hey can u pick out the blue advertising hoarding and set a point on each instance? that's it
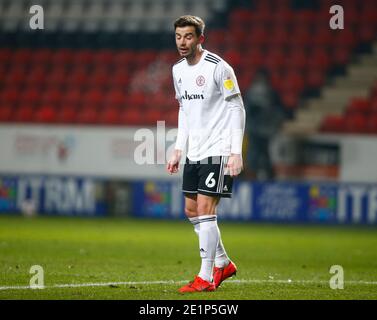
(266, 202)
(52, 195)
(269, 202)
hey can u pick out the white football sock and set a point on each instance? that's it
(196, 224)
(221, 259)
(208, 240)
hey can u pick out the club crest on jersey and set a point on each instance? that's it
(200, 81)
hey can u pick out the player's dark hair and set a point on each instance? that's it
(193, 21)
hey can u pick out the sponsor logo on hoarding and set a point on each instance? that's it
(44, 146)
(67, 196)
(280, 202)
(357, 203)
(322, 202)
(8, 194)
(157, 198)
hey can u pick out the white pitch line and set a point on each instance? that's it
(125, 283)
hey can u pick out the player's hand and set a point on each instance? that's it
(173, 163)
(234, 165)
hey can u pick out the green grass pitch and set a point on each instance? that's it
(136, 259)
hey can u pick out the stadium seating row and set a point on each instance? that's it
(62, 85)
(359, 117)
(87, 114)
(109, 15)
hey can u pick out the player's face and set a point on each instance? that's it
(187, 41)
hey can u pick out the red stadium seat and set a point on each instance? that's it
(341, 56)
(373, 106)
(245, 78)
(166, 56)
(67, 114)
(359, 106)
(72, 97)
(103, 58)
(30, 96)
(296, 60)
(9, 95)
(123, 58)
(93, 97)
(87, 115)
(21, 56)
(301, 36)
(63, 57)
(293, 82)
(356, 123)
(274, 60)
(252, 59)
(290, 99)
(100, 78)
(6, 112)
(132, 117)
(315, 78)
(277, 80)
(160, 100)
(369, 16)
(319, 59)
(136, 100)
(306, 17)
(41, 56)
(83, 57)
(233, 57)
(171, 118)
(15, 76)
(280, 37)
(262, 16)
(115, 98)
(52, 96)
(79, 77)
(24, 113)
(373, 92)
(37, 77)
(110, 116)
(258, 36)
(119, 79)
(58, 76)
(5, 55)
(333, 123)
(46, 114)
(345, 39)
(215, 40)
(242, 17)
(236, 40)
(282, 18)
(152, 115)
(372, 124)
(322, 37)
(148, 56)
(367, 34)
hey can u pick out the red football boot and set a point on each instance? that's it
(198, 285)
(220, 274)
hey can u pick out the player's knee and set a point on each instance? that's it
(191, 212)
(206, 208)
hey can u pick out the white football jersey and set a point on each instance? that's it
(203, 91)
